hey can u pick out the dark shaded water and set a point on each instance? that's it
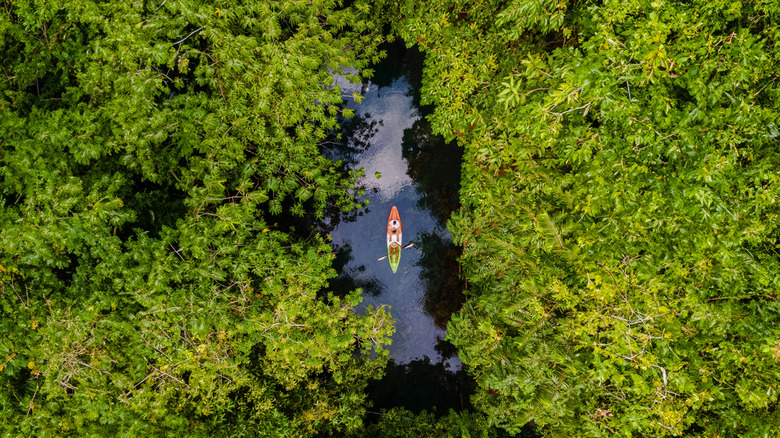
(407, 167)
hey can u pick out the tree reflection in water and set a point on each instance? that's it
(351, 278)
(355, 139)
(443, 287)
(419, 385)
(400, 62)
(434, 165)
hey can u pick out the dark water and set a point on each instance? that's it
(407, 167)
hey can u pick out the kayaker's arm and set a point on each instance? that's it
(407, 246)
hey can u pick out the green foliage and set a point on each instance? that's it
(620, 207)
(145, 290)
(401, 423)
(619, 223)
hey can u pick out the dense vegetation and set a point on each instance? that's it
(620, 217)
(620, 202)
(146, 290)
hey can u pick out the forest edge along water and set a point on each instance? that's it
(415, 176)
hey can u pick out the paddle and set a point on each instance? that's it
(407, 246)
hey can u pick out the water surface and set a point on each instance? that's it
(407, 167)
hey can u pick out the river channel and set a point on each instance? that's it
(417, 172)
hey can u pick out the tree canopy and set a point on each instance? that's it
(146, 149)
(619, 217)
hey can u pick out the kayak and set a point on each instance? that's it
(394, 239)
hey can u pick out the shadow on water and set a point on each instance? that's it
(443, 291)
(351, 278)
(434, 165)
(421, 385)
(400, 63)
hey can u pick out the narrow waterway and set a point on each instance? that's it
(409, 168)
